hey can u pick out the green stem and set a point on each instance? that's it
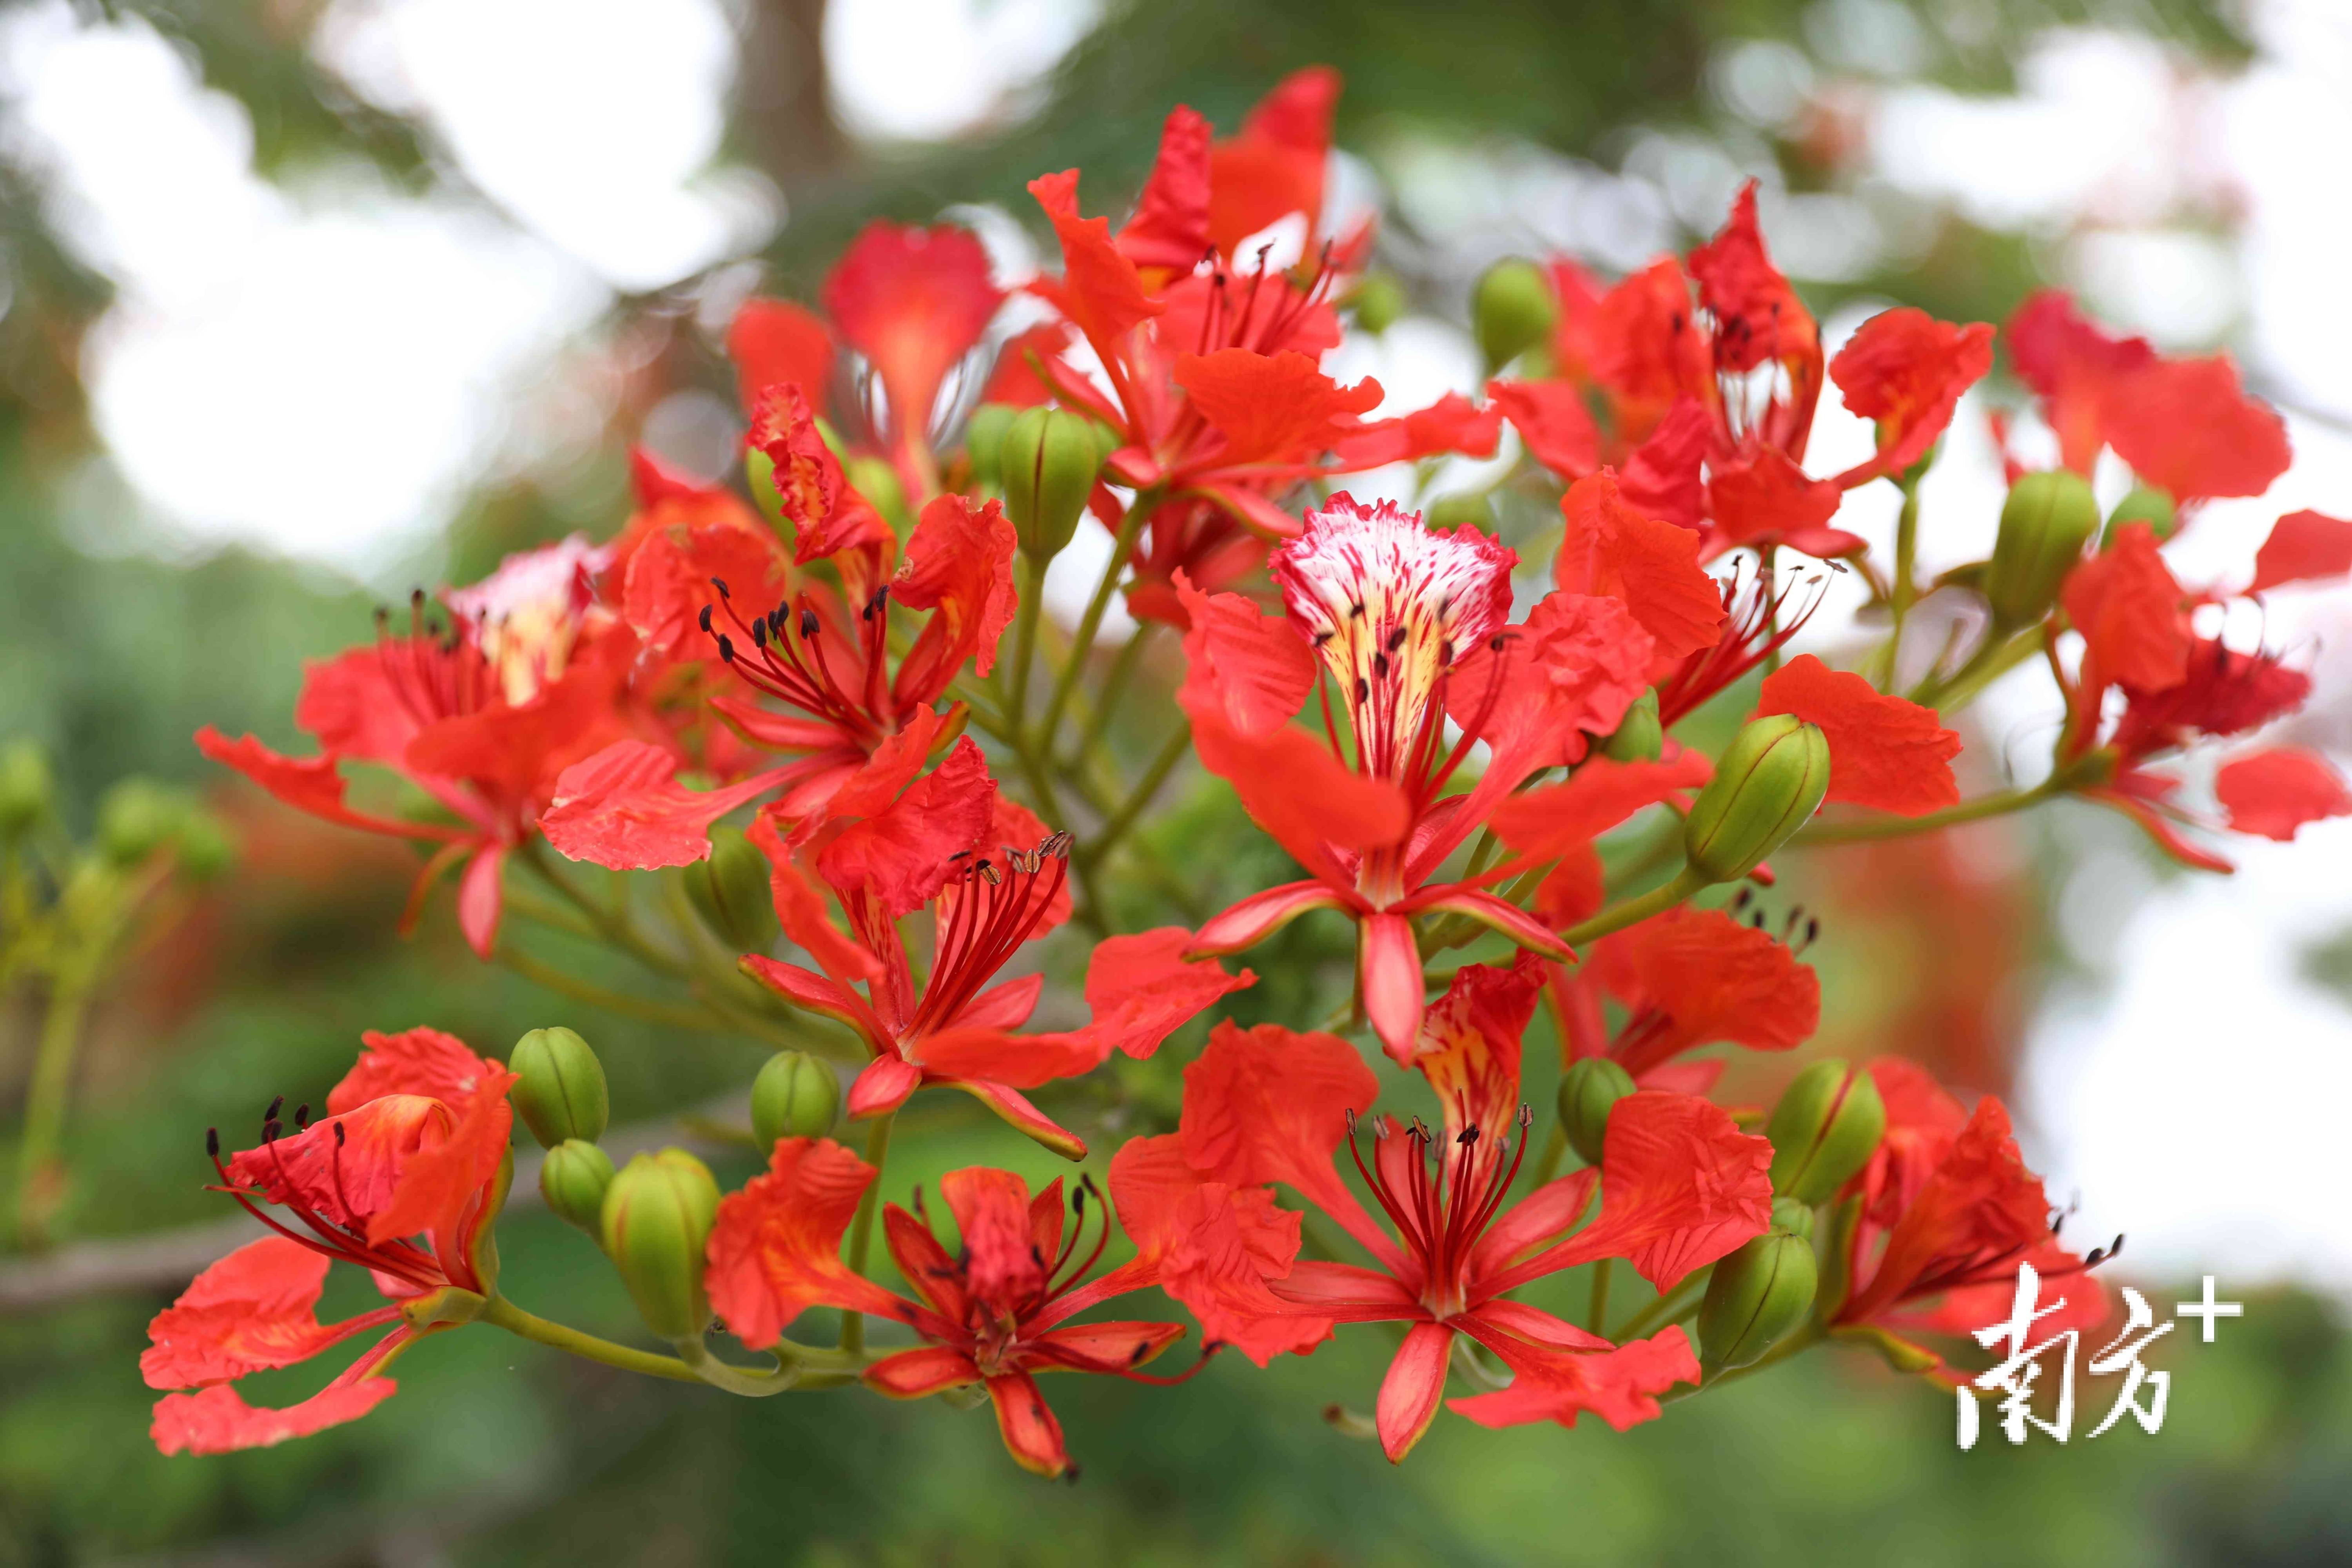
(1599, 1315)
(1878, 828)
(1664, 1310)
(1082, 642)
(861, 1237)
(612, 924)
(45, 1103)
(1130, 658)
(644, 1008)
(1906, 553)
(1996, 659)
(1025, 639)
(797, 1367)
(556, 1336)
(1665, 896)
(1107, 837)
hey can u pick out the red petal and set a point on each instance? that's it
(1276, 166)
(827, 516)
(1885, 751)
(1022, 1116)
(414, 1061)
(775, 341)
(1254, 919)
(1414, 1386)
(775, 1249)
(1255, 670)
(1905, 370)
(1758, 317)
(1613, 551)
(926, 1370)
(1031, 1434)
(1620, 1385)
(1389, 979)
(2303, 545)
(914, 301)
(800, 910)
(307, 783)
(439, 1188)
(667, 583)
(1170, 231)
(1002, 1264)
(1142, 988)
(1271, 409)
(2187, 425)
(1553, 423)
(2274, 793)
(1661, 479)
(255, 1308)
(1768, 497)
(1570, 671)
(481, 899)
(623, 809)
(1098, 288)
(1452, 424)
(2127, 606)
(1555, 819)
(2074, 367)
(1648, 348)
(884, 1085)
(1698, 976)
(1980, 1202)
(1305, 798)
(216, 1421)
(959, 563)
(1468, 1049)
(903, 854)
(1015, 1060)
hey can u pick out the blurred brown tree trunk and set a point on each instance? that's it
(786, 112)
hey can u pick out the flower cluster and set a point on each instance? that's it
(808, 751)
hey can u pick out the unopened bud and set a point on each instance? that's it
(1376, 301)
(573, 1180)
(204, 849)
(1755, 1296)
(558, 1090)
(795, 1095)
(656, 1220)
(1512, 311)
(1588, 1091)
(1050, 459)
(1767, 784)
(2150, 504)
(878, 482)
(1790, 1214)
(2045, 522)
(983, 445)
(1640, 738)
(760, 474)
(26, 788)
(729, 889)
(1824, 1131)
(136, 819)
(1447, 513)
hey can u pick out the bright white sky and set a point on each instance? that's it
(323, 371)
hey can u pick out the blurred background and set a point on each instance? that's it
(305, 301)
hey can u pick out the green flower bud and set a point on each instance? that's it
(2045, 522)
(1050, 459)
(1376, 300)
(2150, 504)
(1790, 1214)
(573, 1180)
(205, 848)
(656, 1220)
(876, 479)
(137, 818)
(26, 788)
(795, 1095)
(560, 1092)
(1640, 738)
(1754, 1297)
(1512, 311)
(1824, 1131)
(1767, 784)
(1588, 1093)
(983, 443)
(760, 474)
(728, 888)
(1473, 510)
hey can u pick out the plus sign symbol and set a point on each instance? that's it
(2208, 1309)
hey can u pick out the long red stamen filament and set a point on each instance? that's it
(991, 914)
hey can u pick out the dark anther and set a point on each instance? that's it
(760, 633)
(775, 619)
(1496, 643)
(1526, 1116)
(1143, 1349)
(1348, 1111)
(1381, 665)
(1467, 1135)
(721, 586)
(275, 1107)
(212, 1142)
(808, 626)
(726, 649)
(1812, 930)
(1323, 636)
(1396, 639)
(1364, 689)
(1747, 894)
(1757, 920)
(270, 1130)
(704, 618)
(1079, 1202)
(301, 1117)
(1356, 611)
(339, 1133)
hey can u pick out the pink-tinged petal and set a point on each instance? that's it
(1006, 1007)
(1620, 1385)
(815, 993)
(1496, 914)
(1414, 1386)
(1254, 919)
(306, 784)
(2273, 793)
(1014, 1060)
(414, 1061)
(884, 1085)
(801, 910)
(775, 1248)
(1170, 231)
(1142, 988)
(924, 1369)
(1022, 1116)
(1031, 1434)
(623, 809)
(480, 897)
(1537, 1326)
(255, 1308)
(1534, 1220)
(1253, 511)
(1103, 1347)
(1388, 971)
(216, 1421)
(1348, 1293)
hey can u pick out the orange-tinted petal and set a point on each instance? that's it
(1885, 751)
(913, 300)
(1613, 551)
(2303, 546)
(2127, 606)
(1905, 370)
(775, 1249)
(2273, 793)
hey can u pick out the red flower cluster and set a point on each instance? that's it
(1442, 744)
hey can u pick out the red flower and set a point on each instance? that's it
(410, 1147)
(891, 843)
(993, 1312)
(1905, 370)
(2274, 793)
(1408, 624)
(482, 715)
(912, 302)
(1560, 822)
(1688, 978)
(1681, 1187)
(2304, 547)
(1948, 1211)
